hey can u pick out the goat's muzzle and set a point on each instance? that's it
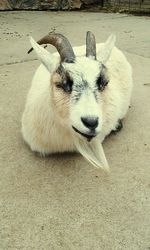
(88, 136)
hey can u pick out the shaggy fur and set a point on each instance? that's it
(51, 112)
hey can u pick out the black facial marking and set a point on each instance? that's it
(66, 83)
(95, 95)
(85, 83)
(78, 90)
(102, 79)
(76, 96)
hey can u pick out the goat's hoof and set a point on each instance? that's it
(118, 127)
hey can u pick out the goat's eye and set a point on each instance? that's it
(59, 85)
(101, 82)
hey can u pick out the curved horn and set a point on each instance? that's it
(90, 45)
(62, 45)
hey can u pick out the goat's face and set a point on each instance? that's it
(76, 95)
(76, 82)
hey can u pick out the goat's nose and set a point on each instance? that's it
(90, 122)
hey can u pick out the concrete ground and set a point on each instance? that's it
(62, 202)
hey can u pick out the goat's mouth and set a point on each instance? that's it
(88, 136)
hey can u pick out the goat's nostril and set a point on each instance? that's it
(90, 122)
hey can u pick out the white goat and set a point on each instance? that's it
(76, 98)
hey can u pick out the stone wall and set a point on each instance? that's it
(47, 4)
(72, 4)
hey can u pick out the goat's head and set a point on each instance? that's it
(77, 83)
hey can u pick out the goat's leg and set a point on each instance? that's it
(118, 127)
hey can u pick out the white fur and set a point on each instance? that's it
(42, 128)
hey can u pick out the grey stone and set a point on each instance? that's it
(91, 2)
(4, 5)
(49, 4)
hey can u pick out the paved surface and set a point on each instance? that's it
(61, 202)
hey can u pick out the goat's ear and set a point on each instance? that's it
(105, 51)
(49, 60)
